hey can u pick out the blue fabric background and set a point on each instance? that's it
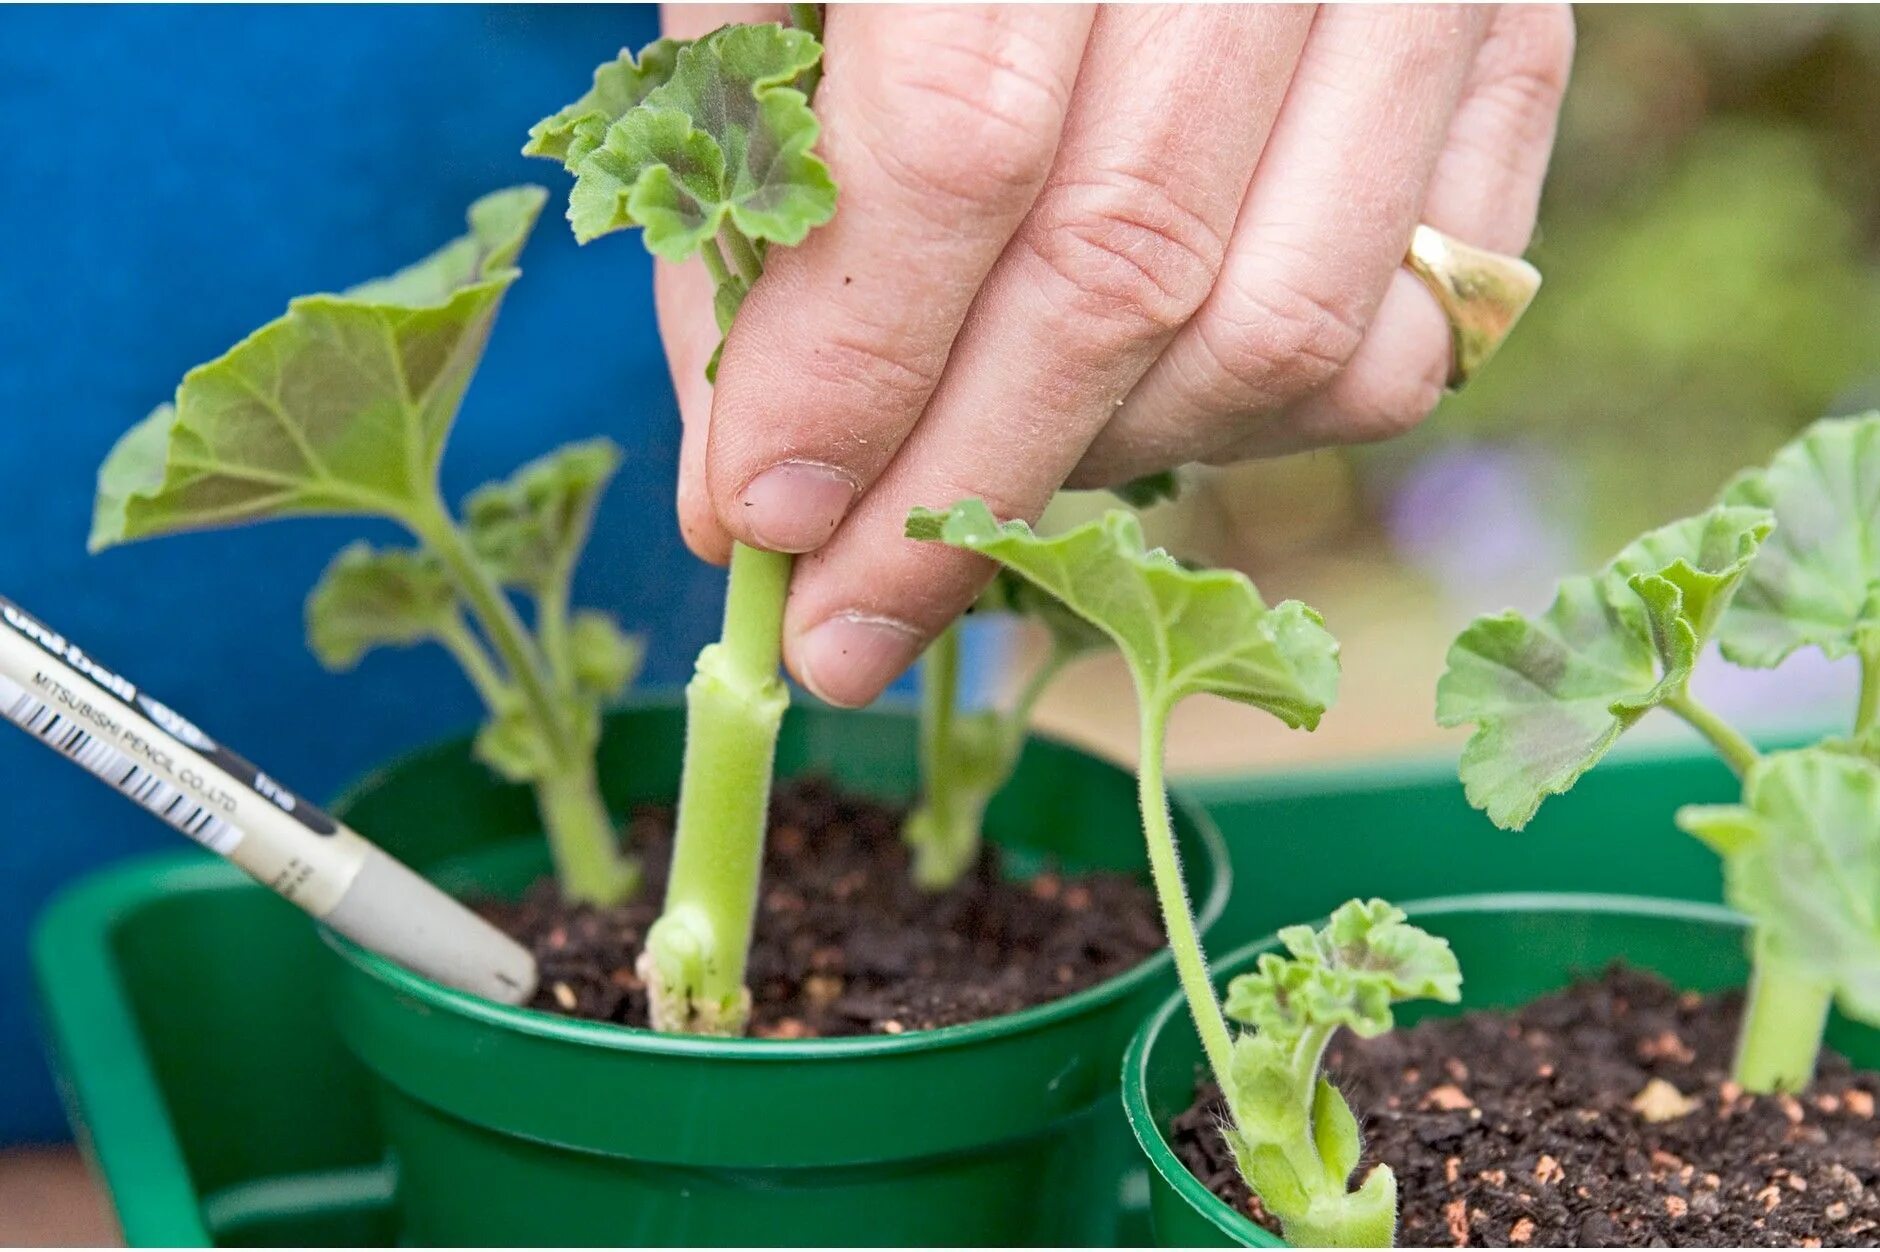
(168, 179)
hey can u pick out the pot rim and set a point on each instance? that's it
(555, 1028)
(1243, 1230)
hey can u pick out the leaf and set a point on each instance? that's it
(1349, 973)
(1335, 1131)
(530, 529)
(606, 658)
(1817, 582)
(1801, 857)
(1182, 631)
(1550, 696)
(369, 598)
(725, 139)
(1150, 489)
(514, 746)
(619, 86)
(1009, 592)
(342, 406)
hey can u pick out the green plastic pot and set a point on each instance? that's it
(218, 1105)
(1513, 949)
(511, 1126)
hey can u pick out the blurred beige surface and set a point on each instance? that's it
(47, 1200)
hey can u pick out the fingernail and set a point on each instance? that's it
(851, 658)
(796, 506)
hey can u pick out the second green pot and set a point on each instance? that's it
(515, 1127)
(1513, 949)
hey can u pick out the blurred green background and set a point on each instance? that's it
(1710, 238)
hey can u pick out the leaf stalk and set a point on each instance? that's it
(1735, 749)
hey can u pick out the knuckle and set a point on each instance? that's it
(847, 363)
(1529, 58)
(1386, 408)
(1127, 250)
(967, 125)
(1283, 339)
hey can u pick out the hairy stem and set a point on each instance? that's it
(1738, 752)
(715, 262)
(1178, 921)
(467, 650)
(502, 626)
(1783, 1022)
(696, 953)
(1867, 712)
(743, 254)
(589, 864)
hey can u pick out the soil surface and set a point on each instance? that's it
(1531, 1128)
(845, 944)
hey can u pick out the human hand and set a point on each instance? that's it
(1077, 244)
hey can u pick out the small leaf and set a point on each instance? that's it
(1802, 859)
(1267, 1102)
(530, 529)
(619, 85)
(726, 138)
(342, 406)
(1550, 696)
(1335, 1131)
(1182, 631)
(606, 658)
(369, 598)
(1817, 582)
(1271, 1175)
(1349, 973)
(1149, 490)
(513, 745)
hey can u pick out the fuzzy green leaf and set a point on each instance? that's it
(619, 85)
(1802, 858)
(1335, 1131)
(370, 598)
(530, 529)
(1009, 592)
(1550, 696)
(726, 138)
(606, 658)
(1817, 582)
(1348, 973)
(1182, 631)
(342, 406)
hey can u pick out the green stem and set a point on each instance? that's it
(476, 664)
(582, 838)
(1034, 689)
(939, 702)
(697, 951)
(743, 255)
(1867, 712)
(809, 17)
(754, 598)
(502, 626)
(551, 624)
(715, 262)
(1738, 752)
(943, 831)
(589, 864)
(1191, 963)
(1783, 1021)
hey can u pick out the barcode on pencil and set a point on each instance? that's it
(69, 738)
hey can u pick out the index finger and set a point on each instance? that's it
(939, 124)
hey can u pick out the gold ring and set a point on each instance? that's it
(1482, 293)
